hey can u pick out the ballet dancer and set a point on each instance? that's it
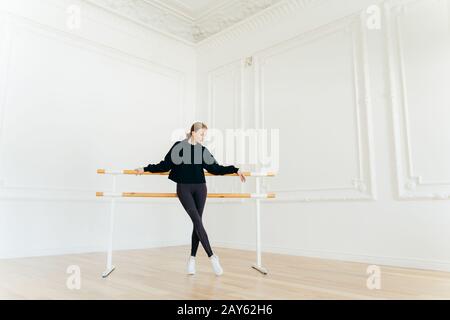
(186, 160)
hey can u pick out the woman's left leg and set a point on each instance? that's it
(200, 194)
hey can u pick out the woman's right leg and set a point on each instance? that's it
(185, 194)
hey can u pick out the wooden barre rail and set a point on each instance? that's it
(247, 173)
(269, 195)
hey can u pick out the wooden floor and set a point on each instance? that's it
(160, 274)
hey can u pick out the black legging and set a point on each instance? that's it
(193, 197)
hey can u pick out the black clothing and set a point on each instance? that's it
(193, 197)
(187, 161)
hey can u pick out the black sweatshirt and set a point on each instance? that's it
(189, 169)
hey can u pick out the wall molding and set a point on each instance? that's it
(410, 184)
(18, 24)
(361, 187)
(236, 69)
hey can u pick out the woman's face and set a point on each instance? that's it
(199, 136)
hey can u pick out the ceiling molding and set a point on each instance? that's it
(151, 15)
(273, 13)
(185, 24)
(228, 15)
(189, 10)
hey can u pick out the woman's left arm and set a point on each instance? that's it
(212, 166)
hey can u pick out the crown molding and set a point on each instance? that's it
(224, 17)
(184, 9)
(151, 15)
(273, 13)
(161, 16)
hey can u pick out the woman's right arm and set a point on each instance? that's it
(163, 166)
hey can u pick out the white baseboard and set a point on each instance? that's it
(367, 259)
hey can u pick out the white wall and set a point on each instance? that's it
(106, 94)
(363, 173)
(363, 118)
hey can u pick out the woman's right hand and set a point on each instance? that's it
(139, 170)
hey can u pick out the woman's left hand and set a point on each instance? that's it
(241, 175)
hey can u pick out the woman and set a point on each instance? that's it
(186, 160)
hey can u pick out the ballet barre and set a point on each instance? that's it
(133, 172)
(174, 195)
(258, 196)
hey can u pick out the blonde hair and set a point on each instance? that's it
(195, 127)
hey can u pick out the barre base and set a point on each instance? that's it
(108, 272)
(260, 268)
